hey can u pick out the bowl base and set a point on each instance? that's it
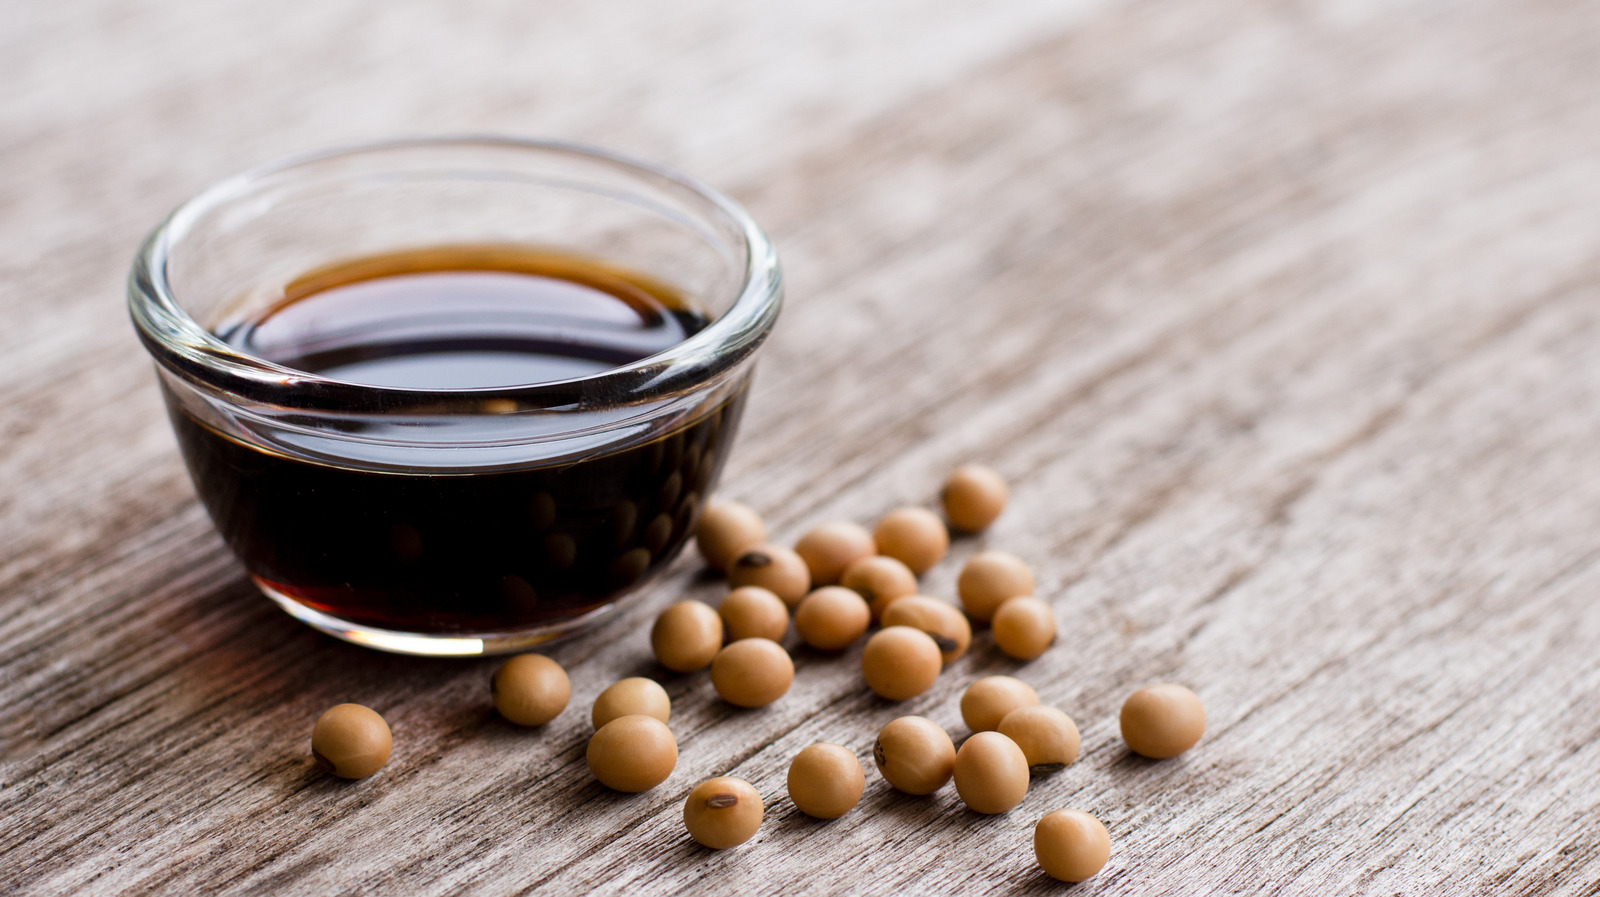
(455, 644)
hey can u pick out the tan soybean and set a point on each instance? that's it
(686, 636)
(899, 662)
(881, 580)
(1161, 721)
(753, 612)
(1071, 845)
(832, 618)
(986, 702)
(632, 753)
(988, 578)
(351, 741)
(914, 755)
(722, 812)
(940, 619)
(973, 497)
(991, 773)
(725, 530)
(830, 547)
(826, 781)
(1023, 627)
(635, 695)
(752, 672)
(530, 689)
(913, 536)
(1048, 737)
(774, 568)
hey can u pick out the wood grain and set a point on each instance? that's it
(1279, 317)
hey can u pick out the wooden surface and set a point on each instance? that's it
(1281, 318)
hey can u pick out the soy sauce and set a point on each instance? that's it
(435, 550)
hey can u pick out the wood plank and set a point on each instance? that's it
(1278, 317)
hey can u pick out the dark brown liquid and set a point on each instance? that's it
(457, 551)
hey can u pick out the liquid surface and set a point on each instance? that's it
(466, 317)
(479, 552)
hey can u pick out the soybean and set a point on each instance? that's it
(632, 753)
(350, 741)
(753, 612)
(530, 689)
(635, 695)
(686, 636)
(991, 773)
(826, 781)
(988, 578)
(973, 497)
(986, 702)
(830, 547)
(774, 568)
(725, 530)
(881, 580)
(1048, 737)
(752, 672)
(914, 536)
(722, 812)
(1161, 721)
(831, 618)
(1071, 845)
(940, 619)
(1023, 627)
(899, 662)
(914, 755)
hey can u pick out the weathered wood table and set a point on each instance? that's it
(1283, 320)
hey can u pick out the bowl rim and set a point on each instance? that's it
(182, 346)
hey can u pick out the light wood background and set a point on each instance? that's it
(1281, 317)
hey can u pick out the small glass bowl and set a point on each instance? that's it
(448, 521)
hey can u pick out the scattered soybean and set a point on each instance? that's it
(986, 702)
(899, 662)
(753, 612)
(988, 578)
(914, 755)
(632, 753)
(1161, 721)
(914, 536)
(752, 672)
(940, 619)
(973, 497)
(881, 580)
(991, 773)
(686, 636)
(530, 689)
(722, 812)
(1048, 737)
(1023, 627)
(635, 695)
(830, 547)
(725, 530)
(1071, 845)
(351, 741)
(774, 568)
(832, 618)
(826, 781)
